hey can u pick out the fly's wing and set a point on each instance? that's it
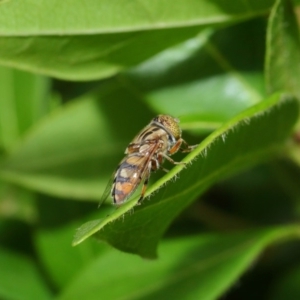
(128, 177)
(136, 175)
(141, 162)
(107, 190)
(133, 169)
(138, 140)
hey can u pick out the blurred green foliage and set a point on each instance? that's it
(79, 79)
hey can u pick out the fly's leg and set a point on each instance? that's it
(188, 147)
(164, 169)
(172, 160)
(156, 165)
(175, 148)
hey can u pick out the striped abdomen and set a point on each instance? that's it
(128, 177)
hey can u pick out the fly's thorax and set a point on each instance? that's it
(149, 133)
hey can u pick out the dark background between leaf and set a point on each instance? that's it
(77, 82)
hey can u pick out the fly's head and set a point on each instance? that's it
(170, 124)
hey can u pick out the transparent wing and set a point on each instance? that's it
(133, 176)
(107, 190)
(141, 173)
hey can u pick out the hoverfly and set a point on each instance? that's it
(145, 154)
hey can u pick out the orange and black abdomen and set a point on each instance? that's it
(127, 178)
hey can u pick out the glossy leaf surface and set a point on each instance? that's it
(227, 150)
(201, 267)
(99, 39)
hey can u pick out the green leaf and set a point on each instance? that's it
(233, 147)
(22, 103)
(283, 50)
(74, 151)
(87, 57)
(198, 267)
(224, 96)
(89, 40)
(287, 288)
(288, 174)
(107, 16)
(53, 248)
(293, 150)
(17, 203)
(207, 72)
(20, 279)
(78, 163)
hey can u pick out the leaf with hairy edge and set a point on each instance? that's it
(254, 135)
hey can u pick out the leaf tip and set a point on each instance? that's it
(85, 231)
